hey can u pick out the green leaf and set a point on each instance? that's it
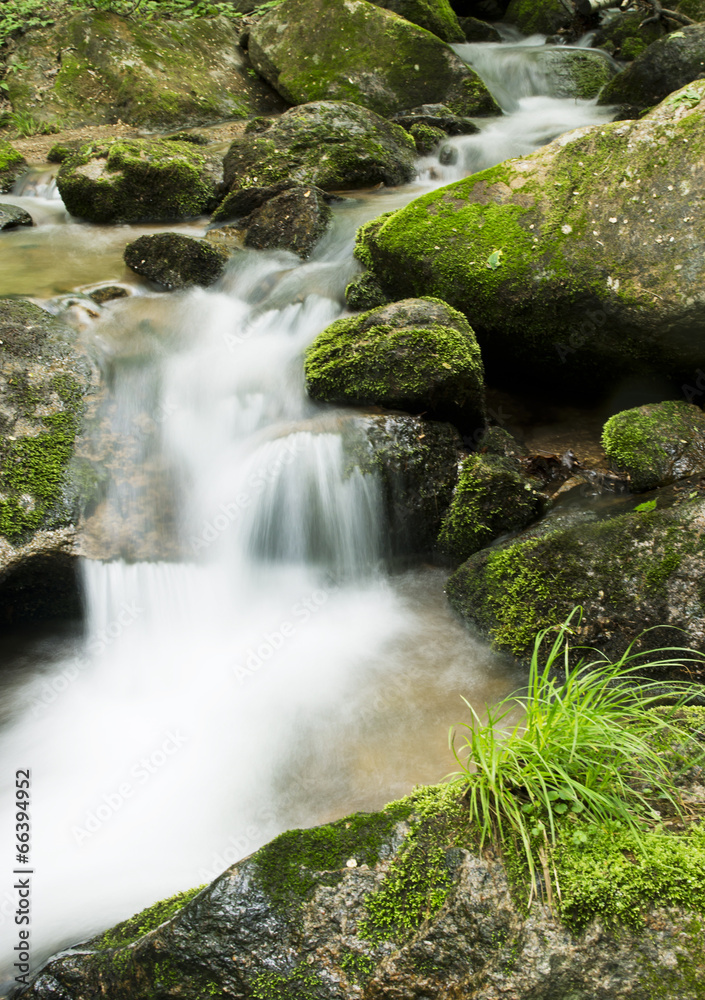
(493, 260)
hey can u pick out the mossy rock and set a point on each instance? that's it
(577, 266)
(577, 73)
(44, 381)
(138, 180)
(664, 67)
(540, 16)
(694, 9)
(294, 220)
(436, 16)
(161, 74)
(404, 896)
(418, 355)
(364, 293)
(656, 444)
(492, 498)
(333, 145)
(12, 217)
(622, 34)
(426, 137)
(174, 260)
(637, 571)
(416, 461)
(476, 30)
(351, 50)
(436, 116)
(12, 165)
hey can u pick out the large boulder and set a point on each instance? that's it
(12, 165)
(636, 571)
(656, 444)
(544, 16)
(667, 65)
(401, 904)
(573, 72)
(436, 16)
(44, 487)
(351, 50)
(174, 260)
(416, 461)
(625, 36)
(333, 145)
(97, 67)
(138, 180)
(576, 266)
(418, 355)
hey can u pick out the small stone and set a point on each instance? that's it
(12, 217)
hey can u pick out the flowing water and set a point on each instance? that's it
(248, 662)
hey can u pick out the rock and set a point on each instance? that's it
(12, 165)
(400, 904)
(294, 220)
(426, 138)
(417, 355)
(492, 497)
(656, 444)
(577, 266)
(11, 217)
(694, 9)
(540, 16)
(579, 73)
(330, 144)
(175, 261)
(106, 293)
(163, 74)
(636, 571)
(436, 116)
(622, 34)
(44, 487)
(363, 293)
(436, 16)
(667, 65)
(417, 461)
(478, 31)
(138, 180)
(350, 50)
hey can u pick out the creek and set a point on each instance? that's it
(250, 660)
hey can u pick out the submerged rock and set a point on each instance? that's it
(330, 144)
(417, 355)
(12, 165)
(294, 220)
(493, 497)
(400, 904)
(44, 489)
(176, 261)
(12, 217)
(351, 50)
(576, 266)
(96, 67)
(656, 444)
(639, 570)
(138, 180)
(667, 65)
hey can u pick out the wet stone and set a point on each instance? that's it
(12, 217)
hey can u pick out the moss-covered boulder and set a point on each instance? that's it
(625, 36)
(667, 65)
(44, 489)
(333, 145)
(139, 180)
(694, 9)
(97, 67)
(540, 16)
(492, 498)
(416, 461)
(436, 16)
(12, 217)
(294, 220)
(401, 903)
(656, 444)
(174, 260)
(418, 355)
(364, 293)
(578, 73)
(351, 50)
(636, 571)
(12, 165)
(576, 266)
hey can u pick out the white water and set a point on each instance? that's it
(273, 673)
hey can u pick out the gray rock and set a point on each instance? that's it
(12, 217)
(294, 220)
(176, 261)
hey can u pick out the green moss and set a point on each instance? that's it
(291, 866)
(302, 983)
(11, 165)
(130, 930)
(357, 966)
(426, 137)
